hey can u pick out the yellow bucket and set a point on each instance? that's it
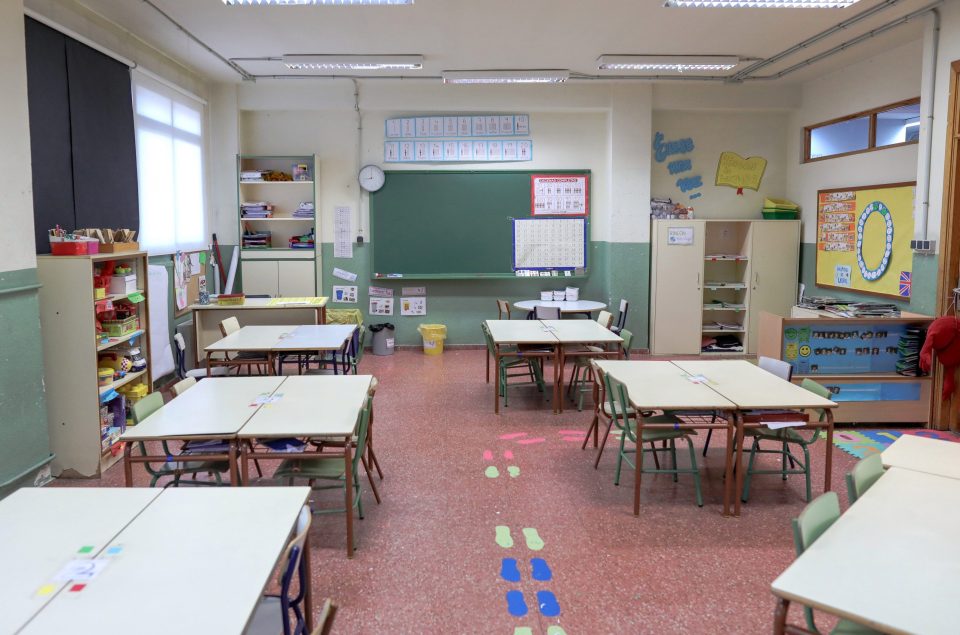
(433, 336)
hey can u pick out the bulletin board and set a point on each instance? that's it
(193, 285)
(863, 239)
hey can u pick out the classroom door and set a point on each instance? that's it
(774, 272)
(676, 292)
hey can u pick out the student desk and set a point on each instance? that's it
(254, 311)
(752, 388)
(193, 561)
(891, 561)
(657, 385)
(322, 338)
(307, 407)
(216, 408)
(274, 340)
(931, 456)
(586, 307)
(571, 333)
(41, 529)
(540, 343)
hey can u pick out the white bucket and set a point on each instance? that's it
(546, 296)
(573, 294)
(559, 295)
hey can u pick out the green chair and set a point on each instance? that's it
(330, 469)
(813, 521)
(143, 409)
(512, 359)
(620, 411)
(581, 379)
(864, 474)
(786, 437)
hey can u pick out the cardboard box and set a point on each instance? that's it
(113, 248)
(123, 284)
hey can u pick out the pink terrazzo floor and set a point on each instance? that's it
(428, 561)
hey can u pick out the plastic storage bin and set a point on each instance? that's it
(383, 338)
(433, 336)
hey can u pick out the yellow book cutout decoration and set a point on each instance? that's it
(735, 171)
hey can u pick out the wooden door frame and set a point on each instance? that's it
(944, 411)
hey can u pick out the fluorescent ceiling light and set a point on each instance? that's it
(505, 77)
(761, 4)
(667, 63)
(288, 3)
(353, 62)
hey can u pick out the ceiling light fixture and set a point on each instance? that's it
(667, 63)
(506, 77)
(761, 4)
(354, 62)
(289, 3)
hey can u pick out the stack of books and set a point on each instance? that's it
(304, 210)
(256, 209)
(256, 240)
(247, 176)
(908, 349)
(305, 241)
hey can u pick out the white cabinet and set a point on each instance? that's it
(260, 277)
(711, 278)
(279, 278)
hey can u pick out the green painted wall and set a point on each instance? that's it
(615, 270)
(24, 441)
(924, 292)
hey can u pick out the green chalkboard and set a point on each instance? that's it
(449, 224)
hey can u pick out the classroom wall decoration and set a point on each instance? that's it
(863, 239)
(545, 244)
(438, 127)
(735, 171)
(682, 168)
(470, 150)
(446, 138)
(559, 194)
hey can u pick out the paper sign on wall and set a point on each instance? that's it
(344, 275)
(345, 294)
(380, 292)
(413, 306)
(381, 306)
(841, 275)
(342, 232)
(679, 235)
(414, 291)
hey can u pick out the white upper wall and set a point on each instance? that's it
(18, 250)
(949, 51)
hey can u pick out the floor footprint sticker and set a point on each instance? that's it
(534, 542)
(547, 601)
(504, 539)
(516, 604)
(492, 471)
(509, 570)
(541, 572)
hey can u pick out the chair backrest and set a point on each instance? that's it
(864, 474)
(361, 340)
(816, 518)
(605, 319)
(627, 341)
(181, 355)
(619, 402)
(295, 565)
(487, 338)
(183, 385)
(817, 389)
(777, 367)
(229, 325)
(362, 427)
(372, 390)
(546, 312)
(503, 308)
(147, 406)
(622, 316)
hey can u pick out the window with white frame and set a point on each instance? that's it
(169, 129)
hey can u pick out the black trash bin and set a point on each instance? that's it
(383, 338)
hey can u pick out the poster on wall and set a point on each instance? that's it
(559, 194)
(737, 172)
(345, 294)
(381, 306)
(413, 306)
(863, 239)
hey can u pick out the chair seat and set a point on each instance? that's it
(654, 434)
(249, 356)
(788, 435)
(846, 627)
(200, 373)
(607, 411)
(193, 466)
(325, 468)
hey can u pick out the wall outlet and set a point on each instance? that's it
(359, 240)
(924, 246)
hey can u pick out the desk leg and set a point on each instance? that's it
(232, 460)
(322, 315)
(208, 363)
(828, 464)
(558, 379)
(728, 465)
(496, 384)
(244, 463)
(348, 479)
(638, 461)
(127, 465)
(308, 585)
(738, 465)
(780, 616)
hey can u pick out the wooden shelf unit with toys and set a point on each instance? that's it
(94, 313)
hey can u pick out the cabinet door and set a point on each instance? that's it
(677, 293)
(296, 278)
(260, 277)
(774, 271)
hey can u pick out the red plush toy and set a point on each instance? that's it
(943, 336)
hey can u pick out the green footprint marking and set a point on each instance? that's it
(492, 471)
(522, 630)
(504, 539)
(554, 630)
(534, 542)
(514, 471)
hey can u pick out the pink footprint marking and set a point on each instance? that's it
(573, 439)
(508, 454)
(487, 455)
(571, 433)
(529, 441)
(512, 435)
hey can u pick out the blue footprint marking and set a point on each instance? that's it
(548, 604)
(515, 604)
(509, 570)
(541, 572)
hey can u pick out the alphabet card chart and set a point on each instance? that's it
(545, 244)
(559, 194)
(464, 151)
(448, 138)
(443, 126)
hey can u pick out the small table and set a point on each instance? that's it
(586, 307)
(41, 529)
(205, 553)
(930, 456)
(656, 385)
(320, 338)
(530, 333)
(890, 562)
(216, 408)
(306, 407)
(274, 340)
(582, 332)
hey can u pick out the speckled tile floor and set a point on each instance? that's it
(428, 561)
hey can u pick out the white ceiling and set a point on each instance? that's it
(497, 34)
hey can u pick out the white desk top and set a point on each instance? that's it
(42, 529)
(311, 406)
(520, 332)
(891, 561)
(216, 407)
(931, 456)
(662, 386)
(262, 303)
(581, 332)
(750, 386)
(315, 337)
(195, 561)
(251, 338)
(576, 306)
